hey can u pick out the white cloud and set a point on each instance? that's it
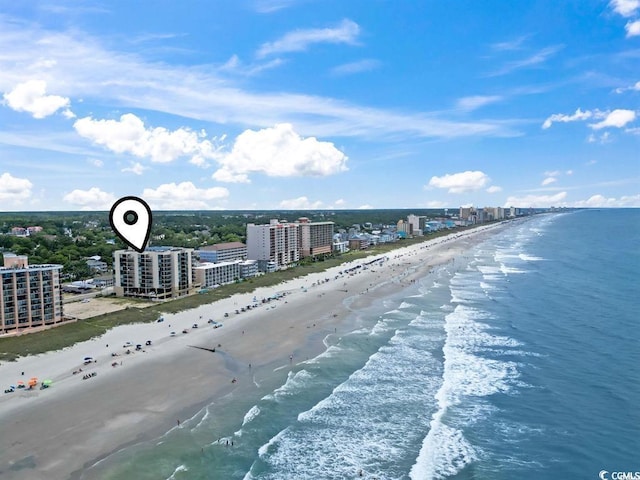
(183, 196)
(31, 97)
(270, 6)
(633, 28)
(531, 61)
(494, 189)
(600, 201)
(462, 182)
(14, 189)
(301, 203)
(297, 41)
(129, 135)
(634, 87)
(602, 139)
(84, 67)
(356, 67)
(279, 152)
(617, 118)
(96, 162)
(136, 168)
(236, 66)
(559, 117)
(549, 181)
(626, 8)
(536, 201)
(366, 206)
(477, 101)
(436, 204)
(92, 199)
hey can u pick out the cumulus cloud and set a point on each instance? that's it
(559, 117)
(600, 201)
(31, 97)
(536, 201)
(14, 189)
(462, 182)
(634, 87)
(183, 196)
(617, 118)
(279, 152)
(494, 189)
(632, 28)
(549, 181)
(136, 168)
(301, 203)
(129, 135)
(626, 8)
(346, 31)
(92, 199)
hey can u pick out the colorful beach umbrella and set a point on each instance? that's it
(47, 382)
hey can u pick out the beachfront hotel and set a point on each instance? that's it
(274, 244)
(222, 252)
(157, 273)
(316, 238)
(30, 295)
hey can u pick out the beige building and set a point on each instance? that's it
(315, 238)
(30, 295)
(156, 273)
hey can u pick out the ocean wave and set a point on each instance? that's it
(467, 378)
(251, 414)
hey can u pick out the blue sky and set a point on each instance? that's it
(286, 104)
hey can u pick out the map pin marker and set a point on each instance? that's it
(130, 218)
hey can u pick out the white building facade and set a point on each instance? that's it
(156, 273)
(275, 243)
(30, 295)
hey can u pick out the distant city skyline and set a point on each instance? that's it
(308, 104)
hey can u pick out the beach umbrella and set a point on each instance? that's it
(33, 382)
(88, 358)
(20, 382)
(47, 382)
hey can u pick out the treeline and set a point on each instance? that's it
(68, 238)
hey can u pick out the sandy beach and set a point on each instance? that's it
(60, 431)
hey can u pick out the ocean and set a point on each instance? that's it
(520, 359)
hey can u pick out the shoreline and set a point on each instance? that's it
(84, 422)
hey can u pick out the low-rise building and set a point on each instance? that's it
(222, 252)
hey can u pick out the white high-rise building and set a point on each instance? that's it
(275, 243)
(157, 273)
(30, 295)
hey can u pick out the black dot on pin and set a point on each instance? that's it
(130, 217)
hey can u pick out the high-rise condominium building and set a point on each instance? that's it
(275, 243)
(316, 238)
(30, 295)
(156, 273)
